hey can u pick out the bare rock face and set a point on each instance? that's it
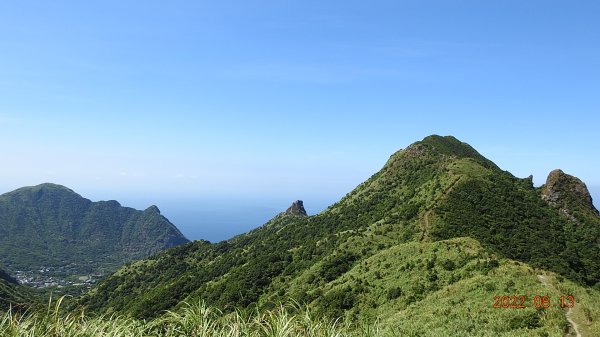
(566, 192)
(297, 208)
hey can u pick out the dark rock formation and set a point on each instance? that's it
(297, 208)
(566, 192)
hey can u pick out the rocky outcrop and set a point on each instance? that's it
(297, 208)
(566, 192)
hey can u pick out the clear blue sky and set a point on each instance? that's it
(236, 108)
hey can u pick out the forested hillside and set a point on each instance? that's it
(11, 294)
(50, 235)
(439, 223)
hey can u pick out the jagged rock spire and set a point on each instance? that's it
(566, 192)
(297, 208)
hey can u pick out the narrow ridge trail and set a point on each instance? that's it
(569, 314)
(425, 232)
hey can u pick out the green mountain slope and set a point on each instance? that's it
(508, 216)
(11, 294)
(48, 233)
(394, 244)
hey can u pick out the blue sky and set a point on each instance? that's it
(224, 112)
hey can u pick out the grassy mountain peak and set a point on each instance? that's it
(45, 191)
(438, 210)
(45, 187)
(447, 146)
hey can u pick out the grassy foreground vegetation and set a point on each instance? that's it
(192, 320)
(457, 310)
(443, 288)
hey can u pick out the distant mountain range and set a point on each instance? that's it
(50, 235)
(424, 244)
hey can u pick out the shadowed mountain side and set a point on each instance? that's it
(11, 294)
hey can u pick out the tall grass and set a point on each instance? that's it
(432, 318)
(193, 320)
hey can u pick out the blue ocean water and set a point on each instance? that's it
(220, 220)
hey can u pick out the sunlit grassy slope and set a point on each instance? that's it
(423, 245)
(406, 300)
(446, 287)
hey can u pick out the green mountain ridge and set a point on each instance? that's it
(438, 223)
(49, 233)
